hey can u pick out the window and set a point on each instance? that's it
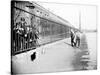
(41, 12)
(37, 10)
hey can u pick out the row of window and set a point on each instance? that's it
(45, 27)
(42, 13)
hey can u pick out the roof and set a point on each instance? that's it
(52, 16)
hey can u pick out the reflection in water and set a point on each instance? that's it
(92, 45)
(85, 57)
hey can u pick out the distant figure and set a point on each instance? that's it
(72, 38)
(77, 39)
(33, 56)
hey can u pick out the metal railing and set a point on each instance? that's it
(23, 40)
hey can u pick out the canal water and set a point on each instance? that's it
(92, 47)
(86, 56)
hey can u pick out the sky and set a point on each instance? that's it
(70, 12)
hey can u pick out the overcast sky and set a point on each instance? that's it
(70, 13)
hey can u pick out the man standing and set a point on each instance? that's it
(77, 39)
(72, 38)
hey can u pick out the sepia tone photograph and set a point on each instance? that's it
(52, 37)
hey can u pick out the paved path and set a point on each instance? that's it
(58, 56)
